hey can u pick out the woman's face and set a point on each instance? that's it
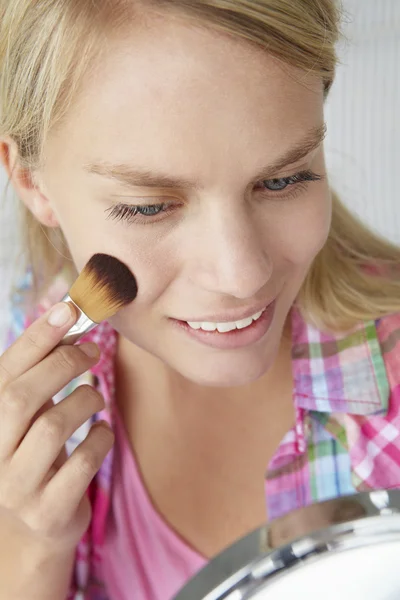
(182, 158)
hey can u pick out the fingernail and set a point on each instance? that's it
(90, 350)
(60, 315)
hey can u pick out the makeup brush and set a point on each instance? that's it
(104, 286)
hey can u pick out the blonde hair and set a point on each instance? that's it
(46, 46)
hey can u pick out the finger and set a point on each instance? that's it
(36, 342)
(23, 398)
(48, 435)
(68, 486)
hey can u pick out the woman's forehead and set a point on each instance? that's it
(153, 98)
(180, 64)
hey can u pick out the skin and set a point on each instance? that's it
(211, 110)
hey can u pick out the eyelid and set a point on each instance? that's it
(138, 199)
(305, 170)
(146, 199)
(127, 212)
(301, 177)
(299, 167)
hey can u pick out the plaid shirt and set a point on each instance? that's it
(346, 438)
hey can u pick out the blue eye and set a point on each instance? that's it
(276, 184)
(130, 212)
(280, 184)
(149, 210)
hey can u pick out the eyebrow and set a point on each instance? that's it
(131, 177)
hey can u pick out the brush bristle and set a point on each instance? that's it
(104, 287)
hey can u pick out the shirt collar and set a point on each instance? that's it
(342, 372)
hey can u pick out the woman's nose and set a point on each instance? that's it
(231, 256)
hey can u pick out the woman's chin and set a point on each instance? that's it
(224, 376)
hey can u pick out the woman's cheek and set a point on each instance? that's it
(86, 233)
(304, 231)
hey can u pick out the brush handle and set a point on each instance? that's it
(81, 327)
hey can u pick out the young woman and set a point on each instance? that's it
(258, 369)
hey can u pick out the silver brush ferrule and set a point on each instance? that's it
(81, 327)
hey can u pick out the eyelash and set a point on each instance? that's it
(137, 213)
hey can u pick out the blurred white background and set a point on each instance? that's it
(363, 115)
(363, 144)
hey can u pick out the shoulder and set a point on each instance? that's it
(374, 440)
(388, 333)
(388, 326)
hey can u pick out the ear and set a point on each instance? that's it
(23, 181)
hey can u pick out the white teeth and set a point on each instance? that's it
(194, 325)
(224, 327)
(208, 326)
(244, 323)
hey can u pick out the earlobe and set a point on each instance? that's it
(23, 182)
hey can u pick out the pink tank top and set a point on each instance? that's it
(144, 559)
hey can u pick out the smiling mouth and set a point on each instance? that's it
(230, 335)
(225, 327)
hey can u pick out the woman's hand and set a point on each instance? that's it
(42, 491)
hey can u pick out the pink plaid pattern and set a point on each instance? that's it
(375, 442)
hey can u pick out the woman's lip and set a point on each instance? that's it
(228, 318)
(238, 338)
